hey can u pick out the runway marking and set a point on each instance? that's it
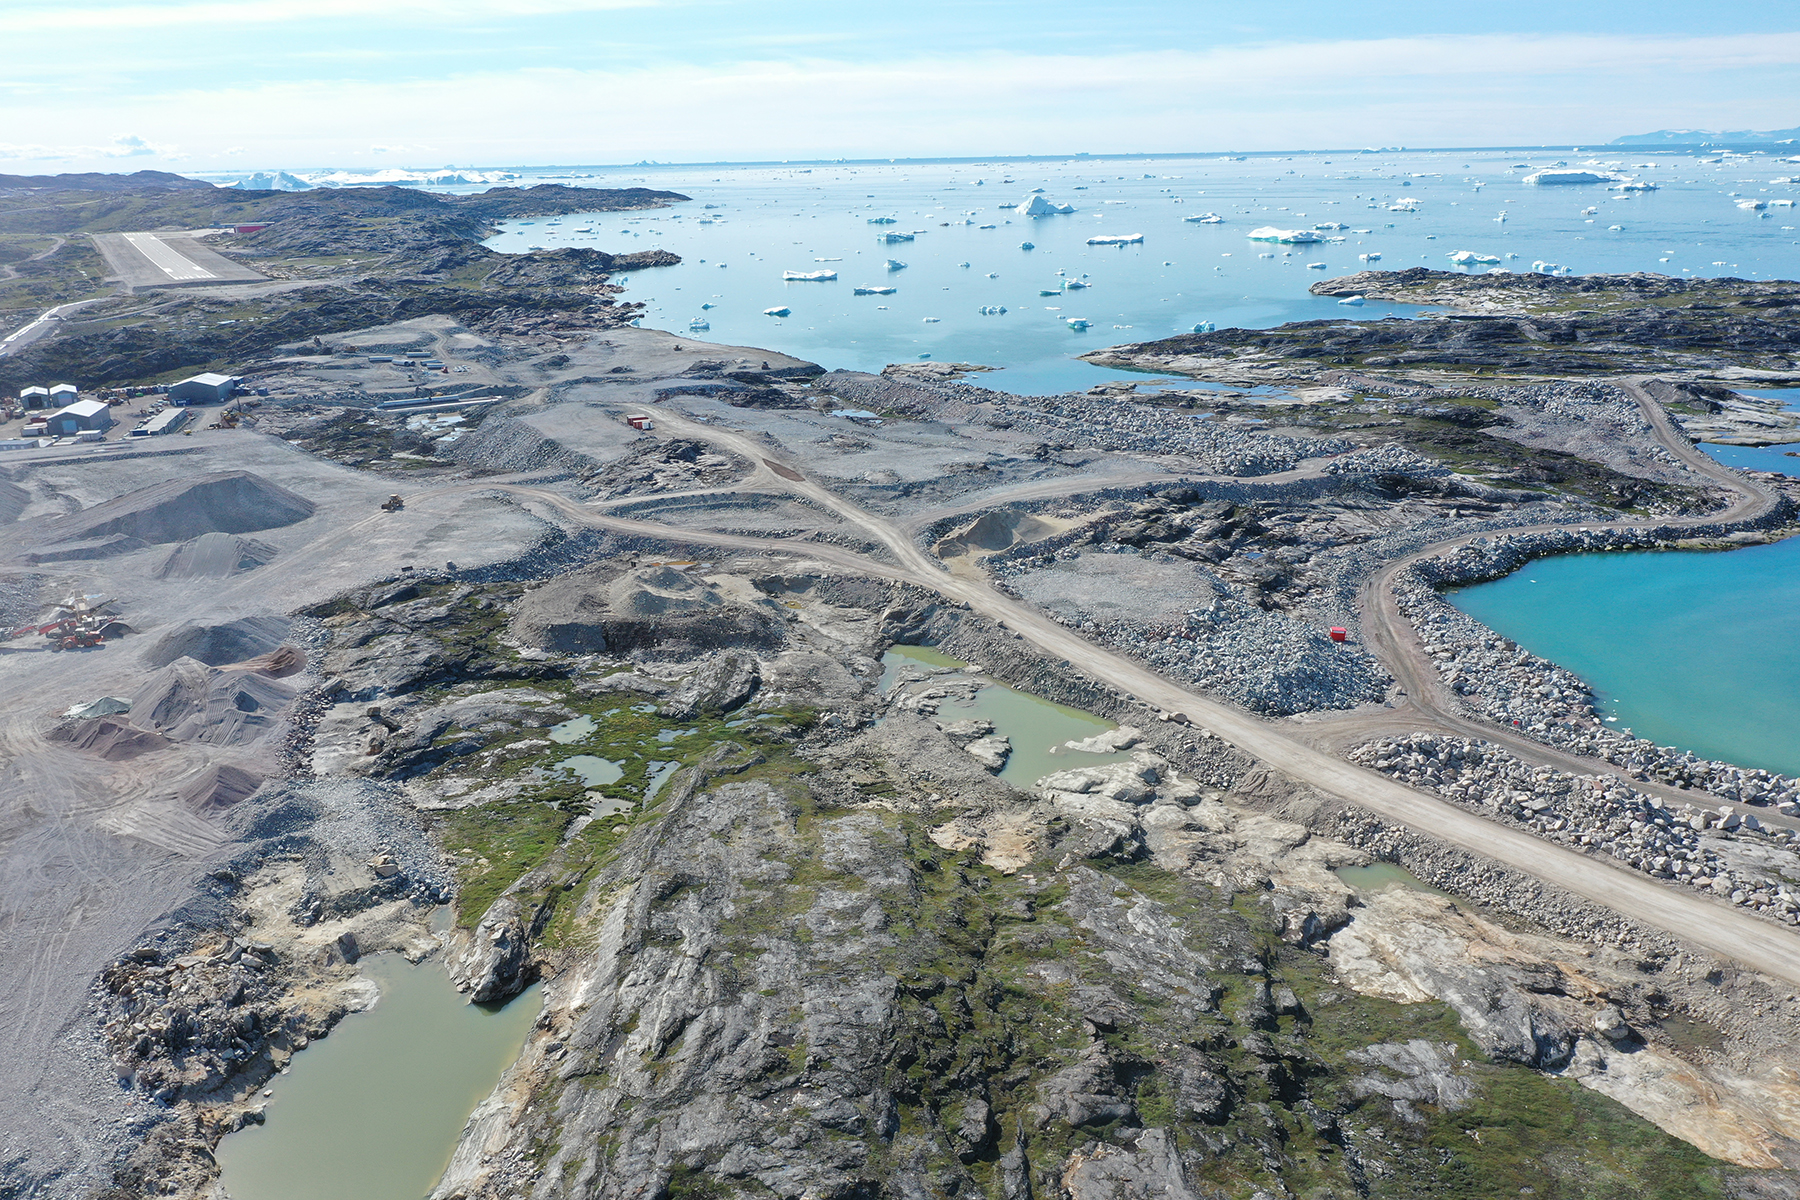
(166, 258)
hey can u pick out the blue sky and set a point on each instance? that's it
(224, 84)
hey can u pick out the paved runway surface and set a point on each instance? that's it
(145, 260)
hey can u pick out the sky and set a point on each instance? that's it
(210, 85)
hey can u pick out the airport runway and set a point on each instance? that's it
(149, 260)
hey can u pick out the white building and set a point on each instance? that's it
(204, 389)
(34, 397)
(79, 417)
(62, 394)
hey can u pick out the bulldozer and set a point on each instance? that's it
(393, 504)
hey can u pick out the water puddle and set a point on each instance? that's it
(660, 773)
(592, 770)
(1036, 727)
(373, 1112)
(573, 730)
(1380, 876)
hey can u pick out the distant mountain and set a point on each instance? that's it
(1702, 137)
(101, 181)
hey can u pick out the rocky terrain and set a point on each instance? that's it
(615, 711)
(1524, 325)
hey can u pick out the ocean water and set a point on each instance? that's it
(745, 226)
(1690, 649)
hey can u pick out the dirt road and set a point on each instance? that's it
(1702, 921)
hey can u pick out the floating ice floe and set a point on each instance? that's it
(894, 264)
(1205, 327)
(840, 258)
(1073, 285)
(1297, 237)
(931, 320)
(699, 325)
(874, 290)
(778, 312)
(1468, 258)
(884, 221)
(1049, 291)
(1076, 323)
(993, 274)
(807, 276)
(1372, 256)
(992, 310)
(1550, 268)
(1026, 246)
(1635, 185)
(1352, 301)
(1315, 266)
(709, 304)
(1330, 225)
(1568, 177)
(1753, 205)
(891, 238)
(1116, 239)
(1205, 219)
(1037, 206)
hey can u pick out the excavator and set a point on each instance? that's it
(393, 503)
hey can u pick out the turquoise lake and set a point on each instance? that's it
(1689, 649)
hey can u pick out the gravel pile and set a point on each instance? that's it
(1390, 459)
(1098, 423)
(1594, 814)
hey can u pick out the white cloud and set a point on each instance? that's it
(1501, 90)
(108, 17)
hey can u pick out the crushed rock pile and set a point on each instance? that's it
(599, 609)
(1596, 814)
(217, 787)
(110, 738)
(189, 701)
(214, 556)
(179, 510)
(217, 645)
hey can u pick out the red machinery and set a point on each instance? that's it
(77, 625)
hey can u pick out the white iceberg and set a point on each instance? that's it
(894, 264)
(1329, 225)
(269, 181)
(1116, 239)
(1567, 177)
(992, 310)
(1315, 266)
(1076, 323)
(1205, 327)
(1037, 206)
(874, 290)
(778, 312)
(1298, 237)
(699, 325)
(1753, 205)
(807, 276)
(1352, 301)
(1468, 258)
(884, 220)
(1372, 256)
(1072, 285)
(1026, 246)
(1209, 218)
(1635, 185)
(891, 238)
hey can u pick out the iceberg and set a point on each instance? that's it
(874, 290)
(1037, 206)
(1209, 218)
(1352, 301)
(1116, 239)
(891, 238)
(1468, 258)
(1567, 177)
(1330, 225)
(884, 221)
(269, 181)
(992, 310)
(1372, 256)
(1635, 185)
(1298, 237)
(1076, 323)
(931, 320)
(1026, 246)
(1315, 266)
(778, 312)
(1073, 285)
(894, 264)
(1205, 327)
(807, 276)
(1753, 205)
(699, 324)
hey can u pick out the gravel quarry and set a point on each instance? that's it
(804, 904)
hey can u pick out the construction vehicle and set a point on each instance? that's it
(79, 623)
(394, 504)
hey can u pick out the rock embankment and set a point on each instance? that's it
(1599, 815)
(1500, 681)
